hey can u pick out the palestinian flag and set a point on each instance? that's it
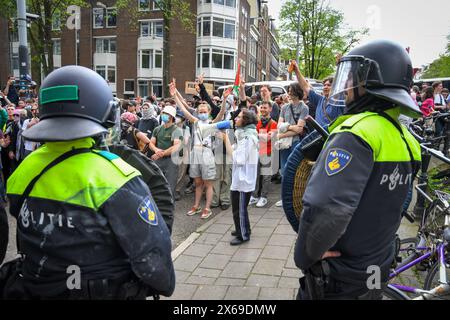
(237, 81)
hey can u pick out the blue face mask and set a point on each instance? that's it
(165, 118)
(203, 116)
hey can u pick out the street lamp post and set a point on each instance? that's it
(23, 41)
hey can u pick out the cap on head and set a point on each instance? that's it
(171, 111)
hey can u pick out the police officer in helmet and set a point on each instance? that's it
(82, 211)
(354, 197)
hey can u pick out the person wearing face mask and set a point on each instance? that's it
(148, 121)
(165, 142)
(202, 166)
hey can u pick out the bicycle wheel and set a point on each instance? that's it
(432, 279)
(407, 251)
(390, 293)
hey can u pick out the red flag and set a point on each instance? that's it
(237, 80)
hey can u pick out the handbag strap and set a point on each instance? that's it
(58, 160)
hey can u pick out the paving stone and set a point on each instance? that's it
(242, 293)
(292, 273)
(209, 238)
(269, 267)
(180, 276)
(210, 273)
(288, 283)
(239, 270)
(198, 250)
(225, 219)
(218, 228)
(246, 255)
(199, 280)
(284, 222)
(257, 280)
(284, 229)
(208, 292)
(187, 263)
(290, 263)
(225, 248)
(259, 231)
(215, 261)
(276, 294)
(267, 223)
(282, 240)
(275, 252)
(256, 242)
(183, 292)
(230, 282)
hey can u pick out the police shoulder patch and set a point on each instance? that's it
(147, 211)
(337, 160)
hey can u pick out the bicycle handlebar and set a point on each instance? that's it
(435, 153)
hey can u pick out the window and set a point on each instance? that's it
(229, 29)
(111, 17)
(206, 26)
(101, 70)
(217, 59)
(128, 86)
(152, 28)
(157, 4)
(143, 88)
(158, 59)
(144, 5)
(56, 21)
(218, 27)
(228, 60)
(145, 59)
(105, 45)
(230, 3)
(98, 16)
(221, 2)
(15, 61)
(157, 88)
(112, 74)
(151, 59)
(107, 72)
(221, 28)
(159, 29)
(57, 47)
(205, 58)
(145, 29)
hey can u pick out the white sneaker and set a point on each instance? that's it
(261, 203)
(253, 201)
(279, 204)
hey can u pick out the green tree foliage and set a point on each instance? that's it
(439, 68)
(323, 35)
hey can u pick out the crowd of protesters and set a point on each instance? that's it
(186, 138)
(19, 111)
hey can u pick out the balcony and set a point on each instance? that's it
(147, 43)
(217, 74)
(222, 43)
(212, 8)
(106, 59)
(156, 73)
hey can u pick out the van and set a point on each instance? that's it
(278, 87)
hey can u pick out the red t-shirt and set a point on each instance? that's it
(265, 147)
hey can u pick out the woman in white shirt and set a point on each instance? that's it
(245, 166)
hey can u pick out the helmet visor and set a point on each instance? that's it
(352, 72)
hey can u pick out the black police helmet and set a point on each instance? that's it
(384, 69)
(74, 102)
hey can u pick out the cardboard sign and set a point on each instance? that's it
(190, 88)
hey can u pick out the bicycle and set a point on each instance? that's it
(430, 249)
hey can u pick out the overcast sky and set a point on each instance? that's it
(420, 24)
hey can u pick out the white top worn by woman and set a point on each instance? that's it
(245, 165)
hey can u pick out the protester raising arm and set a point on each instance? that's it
(205, 97)
(304, 85)
(173, 92)
(221, 114)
